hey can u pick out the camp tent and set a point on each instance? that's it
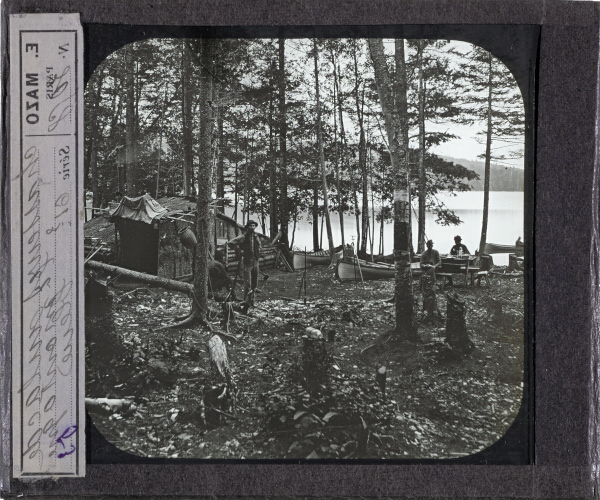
(137, 223)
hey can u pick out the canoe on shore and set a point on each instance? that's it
(491, 248)
(351, 270)
(302, 260)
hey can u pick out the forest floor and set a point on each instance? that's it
(437, 404)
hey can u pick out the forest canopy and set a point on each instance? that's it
(276, 150)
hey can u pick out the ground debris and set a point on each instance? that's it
(435, 406)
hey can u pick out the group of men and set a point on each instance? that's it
(430, 261)
(249, 246)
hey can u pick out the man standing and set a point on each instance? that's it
(459, 248)
(430, 261)
(249, 245)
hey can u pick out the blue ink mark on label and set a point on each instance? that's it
(67, 434)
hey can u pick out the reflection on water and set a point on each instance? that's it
(505, 224)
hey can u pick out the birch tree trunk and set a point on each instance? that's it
(488, 159)
(395, 118)
(315, 216)
(273, 216)
(422, 177)
(339, 153)
(362, 159)
(283, 203)
(322, 156)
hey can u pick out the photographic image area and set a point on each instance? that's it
(304, 248)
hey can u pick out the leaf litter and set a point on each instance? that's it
(435, 406)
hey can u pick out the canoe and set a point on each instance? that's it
(321, 258)
(350, 270)
(491, 248)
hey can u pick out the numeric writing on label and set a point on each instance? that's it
(65, 435)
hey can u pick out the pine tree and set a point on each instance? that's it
(495, 100)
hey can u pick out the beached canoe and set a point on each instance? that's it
(491, 248)
(351, 270)
(301, 260)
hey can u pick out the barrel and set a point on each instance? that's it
(187, 238)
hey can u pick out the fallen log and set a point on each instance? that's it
(107, 406)
(165, 283)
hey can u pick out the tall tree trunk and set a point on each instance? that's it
(117, 108)
(395, 117)
(362, 157)
(246, 192)
(346, 162)
(136, 118)
(221, 157)
(488, 159)
(283, 203)
(162, 118)
(187, 119)
(203, 198)
(337, 102)
(235, 190)
(273, 200)
(362, 165)
(221, 162)
(422, 177)
(92, 163)
(322, 156)
(315, 216)
(372, 236)
(130, 161)
(294, 227)
(381, 249)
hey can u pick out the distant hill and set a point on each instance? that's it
(501, 178)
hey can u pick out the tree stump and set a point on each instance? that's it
(513, 263)
(315, 362)
(380, 378)
(218, 275)
(98, 299)
(496, 312)
(219, 391)
(457, 335)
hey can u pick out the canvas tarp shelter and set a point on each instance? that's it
(143, 208)
(135, 220)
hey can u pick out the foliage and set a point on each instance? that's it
(246, 146)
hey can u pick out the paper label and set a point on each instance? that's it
(46, 165)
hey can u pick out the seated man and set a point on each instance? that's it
(459, 248)
(430, 261)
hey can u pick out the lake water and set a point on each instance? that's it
(505, 224)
